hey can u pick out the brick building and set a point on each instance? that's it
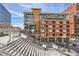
(50, 26)
(55, 26)
(73, 11)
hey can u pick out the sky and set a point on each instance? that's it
(17, 9)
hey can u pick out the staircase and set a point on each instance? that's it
(21, 47)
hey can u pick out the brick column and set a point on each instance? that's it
(36, 18)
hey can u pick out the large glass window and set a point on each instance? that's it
(5, 16)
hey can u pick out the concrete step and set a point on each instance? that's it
(18, 49)
(27, 52)
(10, 44)
(22, 47)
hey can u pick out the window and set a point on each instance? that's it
(26, 26)
(43, 16)
(60, 22)
(66, 40)
(59, 39)
(51, 39)
(67, 22)
(60, 26)
(53, 22)
(77, 22)
(67, 26)
(60, 30)
(60, 34)
(53, 30)
(67, 30)
(53, 34)
(53, 26)
(67, 34)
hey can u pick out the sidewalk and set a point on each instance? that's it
(65, 50)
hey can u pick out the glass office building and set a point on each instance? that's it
(5, 16)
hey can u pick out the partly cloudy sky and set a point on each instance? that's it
(17, 9)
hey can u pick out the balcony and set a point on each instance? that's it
(50, 26)
(50, 31)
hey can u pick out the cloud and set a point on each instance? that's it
(30, 5)
(17, 9)
(46, 7)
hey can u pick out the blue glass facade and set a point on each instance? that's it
(5, 16)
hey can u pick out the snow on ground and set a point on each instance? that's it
(10, 38)
(4, 39)
(71, 53)
(24, 36)
(54, 52)
(7, 39)
(65, 50)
